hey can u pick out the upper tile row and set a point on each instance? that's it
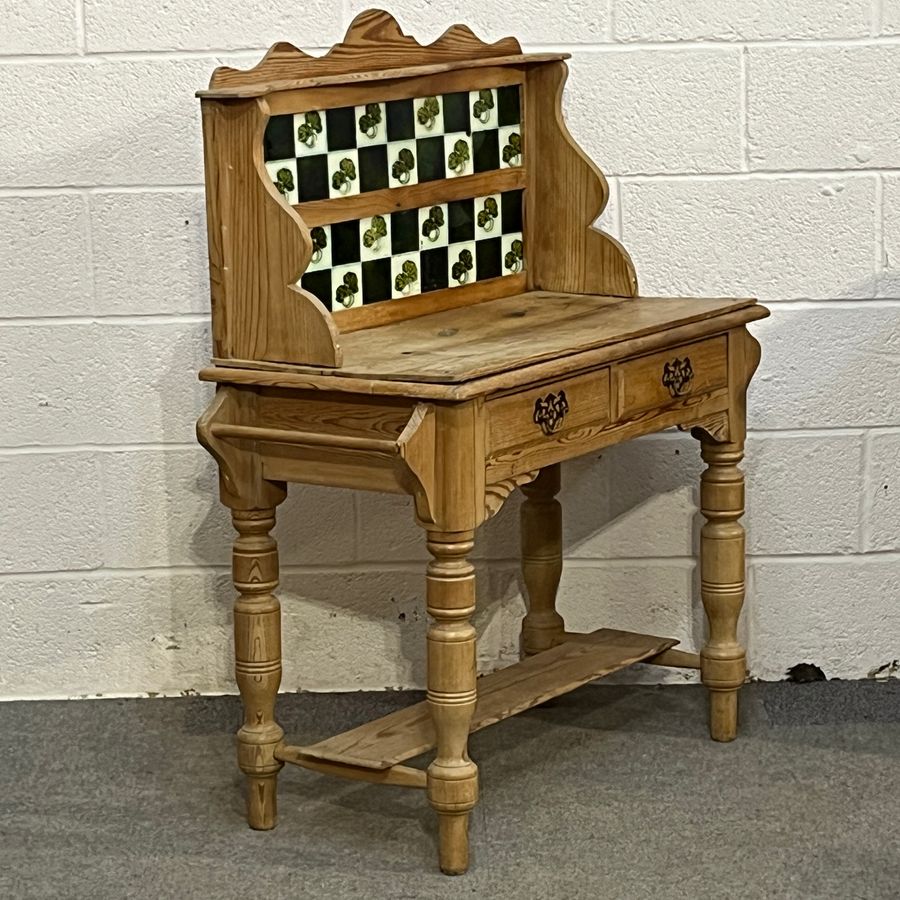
(338, 152)
(346, 127)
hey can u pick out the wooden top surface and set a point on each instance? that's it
(498, 345)
(463, 344)
(263, 88)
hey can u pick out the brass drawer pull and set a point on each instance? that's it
(677, 376)
(550, 411)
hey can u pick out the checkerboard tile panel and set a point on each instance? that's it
(330, 153)
(404, 254)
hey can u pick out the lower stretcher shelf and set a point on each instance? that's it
(390, 740)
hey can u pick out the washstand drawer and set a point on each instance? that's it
(540, 414)
(661, 379)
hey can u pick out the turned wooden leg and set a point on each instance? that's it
(723, 660)
(452, 776)
(257, 655)
(541, 531)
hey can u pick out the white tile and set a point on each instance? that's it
(483, 109)
(285, 184)
(429, 120)
(458, 154)
(310, 133)
(407, 268)
(349, 277)
(461, 263)
(513, 249)
(510, 141)
(488, 217)
(321, 255)
(338, 161)
(373, 117)
(437, 229)
(399, 172)
(375, 237)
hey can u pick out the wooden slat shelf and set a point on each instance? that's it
(390, 740)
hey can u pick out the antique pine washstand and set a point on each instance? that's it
(408, 295)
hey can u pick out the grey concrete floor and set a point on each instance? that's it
(609, 792)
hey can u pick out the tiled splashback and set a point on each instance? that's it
(333, 153)
(403, 254)
(353, 149)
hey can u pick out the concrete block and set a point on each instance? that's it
(882, 493)
(721, 20)
(889, 277)
(102, 122)
(842, 615)
(544, 21)
(150, 252)
(115, 634)
(803, 493)
(45, 262)
(657, 111)
(775, 239)
(53, 517)
(112, 25)
(824, 367)
(102, 383)
(46, 27)
(823, 107)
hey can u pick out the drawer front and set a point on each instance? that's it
(542, 414)
(659, 380)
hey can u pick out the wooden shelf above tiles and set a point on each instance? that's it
(236, 91)
(414, 196)
(399, 736)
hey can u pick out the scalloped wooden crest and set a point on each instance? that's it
(374, 41)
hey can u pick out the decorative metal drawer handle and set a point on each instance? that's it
(677, 376)
(550, 411)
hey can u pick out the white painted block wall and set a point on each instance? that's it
(752, 148)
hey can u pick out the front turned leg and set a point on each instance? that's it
(257, 654)
(452, 776)
(723, 664)
(541, 533)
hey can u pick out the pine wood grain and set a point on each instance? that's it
(566, 194)
(289, 377)
(446, 398)
(405, 83)
(258, 248)
(512, 332)
(402, 776)
(407, 733)
(373, 43)
(639, 382)
(415, 196)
